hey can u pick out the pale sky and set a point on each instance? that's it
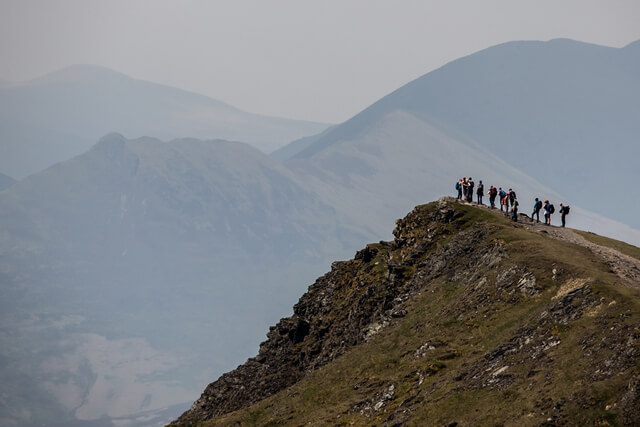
(324, 60)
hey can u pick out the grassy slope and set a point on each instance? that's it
(625, 248)
(362, 376)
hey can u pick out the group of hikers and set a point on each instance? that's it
(508, 201)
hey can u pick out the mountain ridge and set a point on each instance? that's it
(450, 322)
(59, 115)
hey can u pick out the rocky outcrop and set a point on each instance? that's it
(448, 245)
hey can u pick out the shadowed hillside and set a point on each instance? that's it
(152, 253)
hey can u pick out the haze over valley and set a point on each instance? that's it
(150, 235)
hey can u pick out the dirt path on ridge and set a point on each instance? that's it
(625, 267)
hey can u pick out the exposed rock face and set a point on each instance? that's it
(437, 245)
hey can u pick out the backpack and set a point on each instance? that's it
(552, 209)
(566, 210)
(457, 185)
(502, 194)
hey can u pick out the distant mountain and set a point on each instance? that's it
(400, 159)
(62, 114)
(6, 181)
(161, 254)
(564, 112)
(295, 147)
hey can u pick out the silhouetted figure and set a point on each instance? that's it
(536, 210)
(465, 187)
(564, 211)
(493, 192)
(459, 188)
(503, 199)
(548, 210)
(470, 193)
(514, 210)
(512, 196)
(480, 192)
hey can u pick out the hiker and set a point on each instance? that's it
(514, 211)
(548, 208)
(503, 198)
(465, 187)
(470, 193)
(493, 192)
(536, 210)
(480, 192)
(512, 196)
(459, 188)
(564, 211)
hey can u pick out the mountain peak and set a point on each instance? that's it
(460, 308)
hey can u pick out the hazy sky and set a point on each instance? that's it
(323, 60)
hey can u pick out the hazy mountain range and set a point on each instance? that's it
(401, 159)
(174, 252)
(171, 257)
(62, 114)
(563, 112)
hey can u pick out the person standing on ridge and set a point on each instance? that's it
(480, 192)
(493, 192)
(512, 196)
(564, 211)
(470, 192)
(514, 211)
(459, 188)
(465, 187)
(547, 212)
(536, 210)
(503, 198)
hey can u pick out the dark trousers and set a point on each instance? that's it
(537, 214)
(460, 193)
(562, 218)
(479, 199)
(492, 200)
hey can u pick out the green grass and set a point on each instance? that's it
(330, 394)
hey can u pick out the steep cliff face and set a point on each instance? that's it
(463, 318)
